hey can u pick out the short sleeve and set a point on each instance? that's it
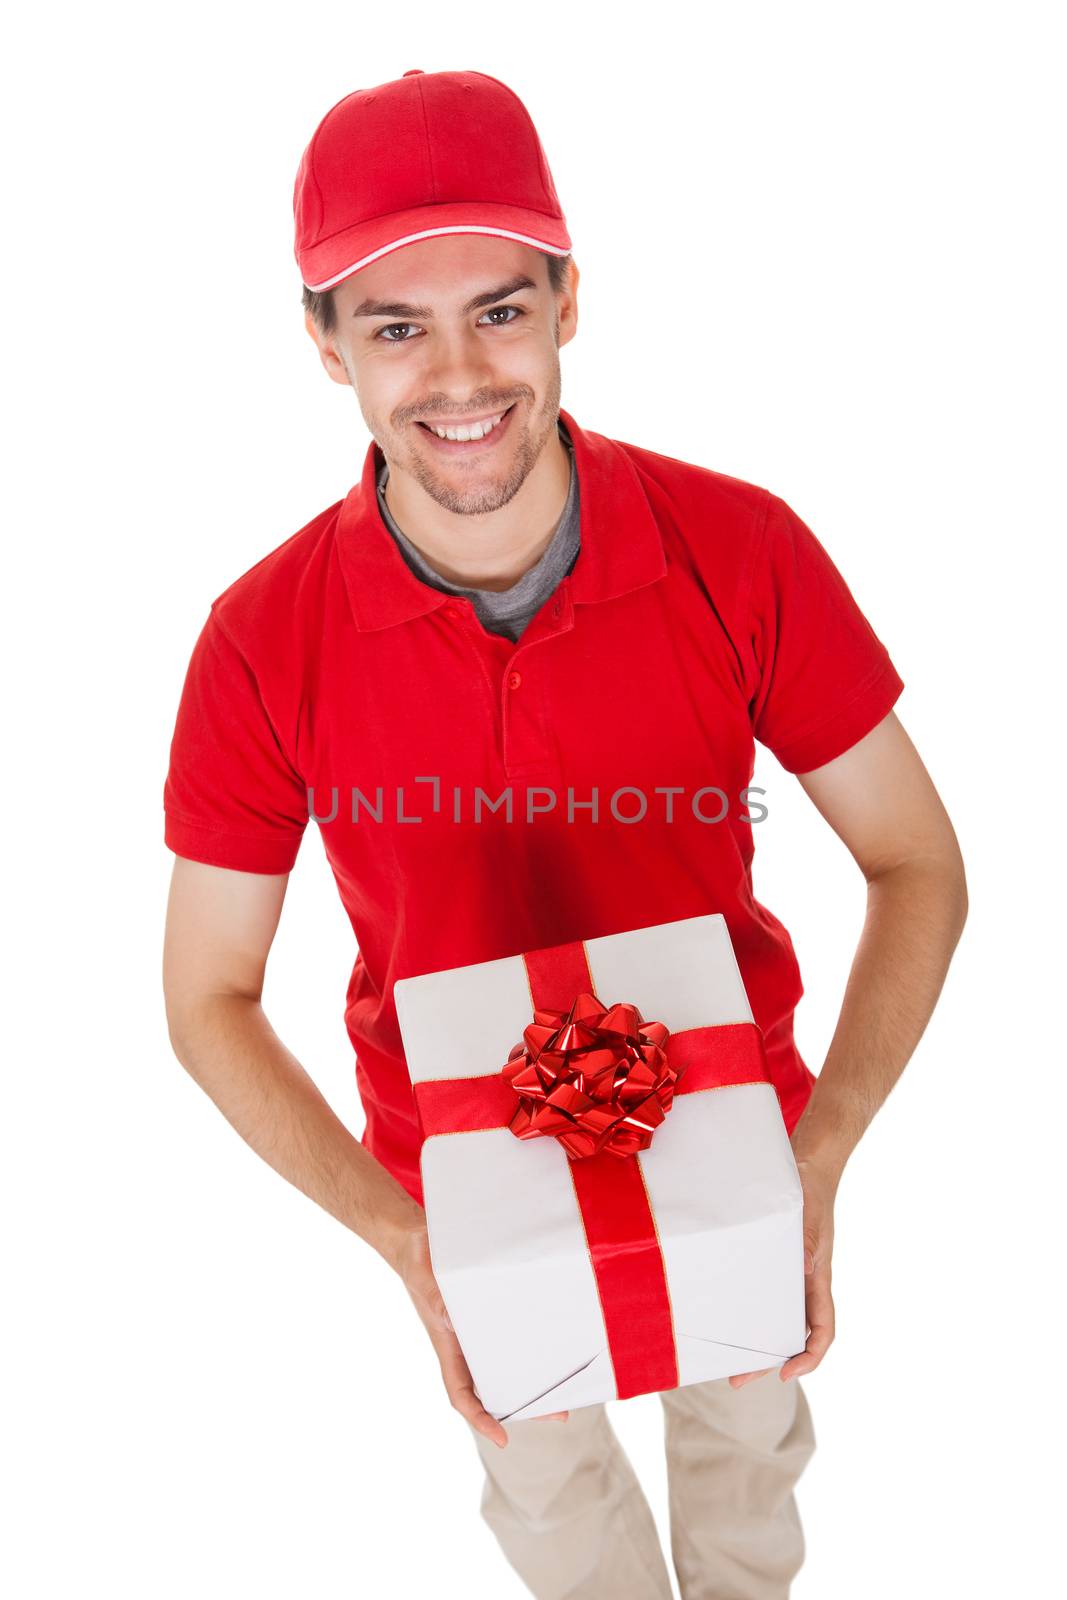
(823, 677)
(231, 797)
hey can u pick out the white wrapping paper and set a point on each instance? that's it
(506, 1238)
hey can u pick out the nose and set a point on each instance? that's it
(460, 365)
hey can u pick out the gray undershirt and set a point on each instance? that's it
(503, 611)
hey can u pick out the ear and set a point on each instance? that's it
(567, 304)
(331, 361)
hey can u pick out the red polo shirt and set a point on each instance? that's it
(701, 614)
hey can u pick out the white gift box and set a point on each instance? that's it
(507, 1240)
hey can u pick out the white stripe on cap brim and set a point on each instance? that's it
(430, 233)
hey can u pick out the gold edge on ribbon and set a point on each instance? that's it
(574, 1188)
(663, 1258)
(454, 1133)
(592, 1268)
(460, 1077)
(491, 1127)
(529, 985)
(588, 967)
(710, 1088)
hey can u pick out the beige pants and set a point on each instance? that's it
(572, 1519)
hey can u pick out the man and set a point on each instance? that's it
(516, 676)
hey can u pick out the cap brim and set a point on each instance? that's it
(326, 264)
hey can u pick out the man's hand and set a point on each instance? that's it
(880, 801)
(820, 1188)
(412, 1262)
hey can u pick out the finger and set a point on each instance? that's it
(430, 1305)
(739, 1379)
(460, 1387)
(821, 1325)
(548, 1416)
(459, 1384)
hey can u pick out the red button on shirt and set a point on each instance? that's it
(701, 614)
(514, 679)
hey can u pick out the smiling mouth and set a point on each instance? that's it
(464, 433)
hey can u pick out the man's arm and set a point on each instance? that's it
(219, 930)
(880, 801)
(220, 927)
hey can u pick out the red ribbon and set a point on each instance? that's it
(620, 1226)
(595, 1078)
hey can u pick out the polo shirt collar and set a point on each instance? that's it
(621, 546)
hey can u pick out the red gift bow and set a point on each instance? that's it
(620, 1227)
(594, 1078)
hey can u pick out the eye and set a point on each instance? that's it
(385, 334)
(494, 309)
(393, 326)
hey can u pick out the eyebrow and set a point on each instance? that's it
(397, 308)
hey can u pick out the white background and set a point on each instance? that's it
(818, 250)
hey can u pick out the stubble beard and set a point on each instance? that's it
(489, 495)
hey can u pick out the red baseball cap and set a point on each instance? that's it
(428, 153)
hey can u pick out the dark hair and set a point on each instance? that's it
(324, 311)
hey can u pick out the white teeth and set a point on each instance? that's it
(477, 430)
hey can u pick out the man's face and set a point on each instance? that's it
(419, 353)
